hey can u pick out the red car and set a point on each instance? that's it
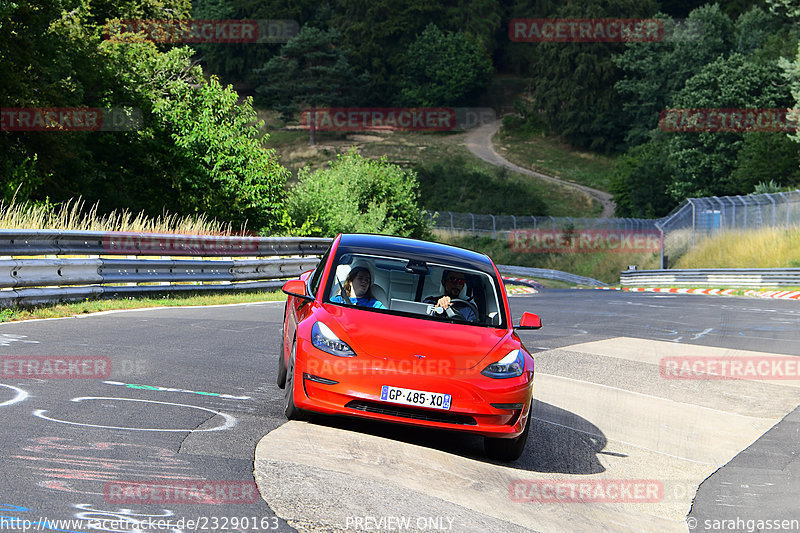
(410, 332)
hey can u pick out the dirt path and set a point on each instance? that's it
(479, 142)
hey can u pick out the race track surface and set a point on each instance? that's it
(189, 396)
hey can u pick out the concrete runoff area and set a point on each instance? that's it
(646, 428)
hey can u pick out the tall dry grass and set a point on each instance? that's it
(763, 248)
(75, 215)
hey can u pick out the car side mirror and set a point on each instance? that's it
(529, 321)
(296, 287)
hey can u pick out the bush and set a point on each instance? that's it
(357, 195)
(444, 68)
(454, 184)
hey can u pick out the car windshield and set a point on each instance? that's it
(399, 285)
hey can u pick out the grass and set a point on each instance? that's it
(764, 248)
(601, 266)
(548, 155)
(94, 306)
(415, 150)
(74, 215)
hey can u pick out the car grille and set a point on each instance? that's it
(410, 412)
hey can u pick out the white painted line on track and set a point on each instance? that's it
(18, 397)
(229, 421)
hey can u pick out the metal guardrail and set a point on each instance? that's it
(58, 242)
(25, 280)
(718, 277)
(547, 273)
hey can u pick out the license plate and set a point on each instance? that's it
(433, 400)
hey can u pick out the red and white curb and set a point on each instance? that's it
(519, 289)
(784, 295)
(675, 290)
(521, 285)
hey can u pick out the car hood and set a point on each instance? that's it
(399, 338)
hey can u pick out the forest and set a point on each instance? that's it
(188, 140)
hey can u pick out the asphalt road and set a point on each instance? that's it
(604, 413)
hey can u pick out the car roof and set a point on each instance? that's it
(368, 243)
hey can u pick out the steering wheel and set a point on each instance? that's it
(451, 312)
(469, 304)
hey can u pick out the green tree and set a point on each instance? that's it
(791, 72)
(654, 71)
(443, 69)
(786, 8)
(236, 62)
(765, 157)
(196, 150)
(356, 194)
(310, 70)
(640, 180)
(206, 141)
(574, 82)
(456, 184)
(704, 161)
(378, 33)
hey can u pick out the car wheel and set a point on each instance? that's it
(508, 449)
(281, 366)
(291, 411)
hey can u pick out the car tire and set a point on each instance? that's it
(291, 410)
(508, 450)
(281, 366)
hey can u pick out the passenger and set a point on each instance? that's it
(358, 286)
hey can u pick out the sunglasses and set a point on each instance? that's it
(456, 280)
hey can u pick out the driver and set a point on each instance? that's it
(452, 282)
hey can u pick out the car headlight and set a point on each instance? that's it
(509, 366)
(326, 340)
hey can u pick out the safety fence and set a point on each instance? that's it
(687, 224)
(707, 216)
(40, 266)
(499, 226)
(45, 266)
(718, 277)
(703, 216)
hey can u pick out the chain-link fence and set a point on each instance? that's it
(691, 221)
(697, 218)
(499, 226)
(706, 216)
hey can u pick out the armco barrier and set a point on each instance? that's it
(210, 266)
(718, 277)
(57, 242)
(548, 273)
